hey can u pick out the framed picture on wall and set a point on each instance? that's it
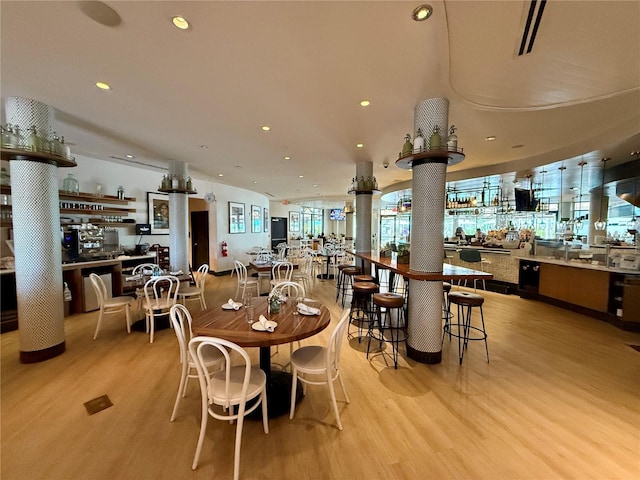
(265, 219)
(256, 219)
(236, 218)
(158, 205)
(294, 221)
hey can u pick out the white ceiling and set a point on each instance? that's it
(302, 67)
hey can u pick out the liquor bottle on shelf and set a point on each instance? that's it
(434, 139)
(418, 142)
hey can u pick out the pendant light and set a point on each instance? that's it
(561, 223)
(601, 224)
(578, 220)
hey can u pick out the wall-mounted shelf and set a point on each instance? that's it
(358, 192)
(44, 157)
(177, 190)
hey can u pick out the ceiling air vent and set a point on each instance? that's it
(536, 8)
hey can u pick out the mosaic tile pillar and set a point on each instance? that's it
(179, 222)
(364, 201)
(427, 243)
(37, 240)
(348, 207)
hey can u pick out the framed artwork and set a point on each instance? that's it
(265, 220)
(158, 205)
(236, 218)
(294, 221)
(256, 219)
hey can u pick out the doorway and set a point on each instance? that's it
(199, 239)
(278, 231)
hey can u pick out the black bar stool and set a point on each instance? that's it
(361, 313)
(345, 281)
(463, 330)
(384, 321)
(446, 307)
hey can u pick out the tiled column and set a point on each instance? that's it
(179, 222)
(348, 208)
(427, 223)
(363, 210)
(37, 242)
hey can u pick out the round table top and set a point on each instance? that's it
(232, 325)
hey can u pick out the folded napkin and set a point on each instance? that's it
(266, 324)
(177, 272)
(307, 310)
(234, 305)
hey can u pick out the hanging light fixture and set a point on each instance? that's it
(578, 220)
(561, 223)
(601, 224)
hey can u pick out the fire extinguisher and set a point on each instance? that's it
(224, 249)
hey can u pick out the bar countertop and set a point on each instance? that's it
(449, 272)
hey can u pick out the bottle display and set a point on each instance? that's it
(407, 148)
(33, 141)
(418, 142)
(120, 192)
(452, 142)
(434, 139)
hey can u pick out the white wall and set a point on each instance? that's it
(137, 181)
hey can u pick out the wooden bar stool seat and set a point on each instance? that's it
(345, 281)
(463, 330)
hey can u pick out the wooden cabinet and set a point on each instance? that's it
(162, 255)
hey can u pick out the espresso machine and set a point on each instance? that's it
(82, 243)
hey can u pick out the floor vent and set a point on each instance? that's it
(97, 404)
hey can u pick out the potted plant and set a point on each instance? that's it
(386, 251)
(403, 254)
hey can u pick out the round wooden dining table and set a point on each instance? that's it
(232, 325)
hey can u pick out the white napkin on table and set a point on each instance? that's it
(232, 304)
(266, 324)
(307, 310)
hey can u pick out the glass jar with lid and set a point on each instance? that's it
(71, 185)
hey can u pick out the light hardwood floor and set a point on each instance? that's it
(560, 399)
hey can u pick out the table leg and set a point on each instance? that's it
(278, 388)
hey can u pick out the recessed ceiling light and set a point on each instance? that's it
(180, 22)
(517, 146)
(287, 158)
(314, 185)
(128, 155)
(221, 174)
(255, 181)
(365, 103)
(300, 176)
(103, 86)
(203, 146)
(266, 128)
(490, 138)
(359, 145)
(422, 12)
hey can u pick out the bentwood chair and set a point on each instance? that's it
(322, 363)
(303, 273)
(281, 272)
(160, 293)
(228, 390)
(244, 281)
(108, 304)
(181, 322)
(142, 270)
(190, 292)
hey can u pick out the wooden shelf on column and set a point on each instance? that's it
(177, 190)
(453, 156)
(44, 157)
(358, 192)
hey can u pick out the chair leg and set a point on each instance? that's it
(294, 388)
(332, 391)
(203, 429)
(344, 390)
(181, 389)
(127, 314)
(152, 327)
(99, 324)
(265, 412)
(236, 454)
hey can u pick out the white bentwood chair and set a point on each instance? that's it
(320, 361)
(243, 279)
(160, 293)
(181, 321)
(109, 304)
(191, 292)
(281, 272)
(233, 386)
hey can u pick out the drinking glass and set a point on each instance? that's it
(247, 299)
(249, 311)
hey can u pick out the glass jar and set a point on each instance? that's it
(71, 185)
(274, 304)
